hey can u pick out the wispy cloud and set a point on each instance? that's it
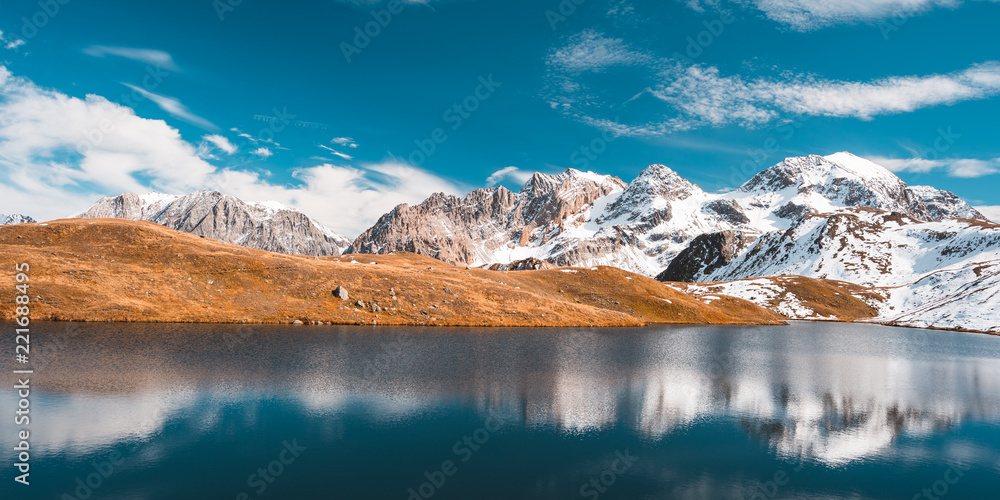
(593, 51)
(9, 43)
(518, 175)
(698, 95)
(220, 142)
(704, 94)
(148, 56)
(174, 107)
(338, 153)
(955, 167)
(805, 15)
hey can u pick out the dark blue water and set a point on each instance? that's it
(822, 411)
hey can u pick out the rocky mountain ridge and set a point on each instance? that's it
(585, 219)
(267, 226)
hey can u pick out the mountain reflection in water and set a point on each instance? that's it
(830, 395)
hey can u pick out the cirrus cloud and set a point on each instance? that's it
(699, 95)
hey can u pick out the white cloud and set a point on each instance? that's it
(344, 141)
(345, 199)
(338, 153)
(149, 56)
(885, 96)
(992, 212)
(10, 44)
(703, 94)
(518, 175)
(221, 143)
(698, 96)
(64, 150)
(174, 107)
(805, 15)
(956, 167)
(262, 152)
(592, 51)
(59, 154)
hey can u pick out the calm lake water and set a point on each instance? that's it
(818, 411)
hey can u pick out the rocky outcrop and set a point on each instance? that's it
(267, 226)
(705, 254)
(529, 264)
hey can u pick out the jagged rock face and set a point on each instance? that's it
(584, 219)
(654, 184)
(529, 264)
(488, 225)
(266, 226)
(728, 210)
(944, 204)
(705, 254)
(8, 220)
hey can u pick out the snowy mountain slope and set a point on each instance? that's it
(944, 204)
(267, 226)
(965, 298)
(932, 274)
(585, 219)
(781, 195)
(7, 220)
(865, 246)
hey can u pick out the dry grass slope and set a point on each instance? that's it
(118, 270)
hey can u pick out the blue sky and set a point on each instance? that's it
(288, 102)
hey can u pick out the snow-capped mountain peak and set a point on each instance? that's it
(862, 168)
(781, 195)
(8, 220)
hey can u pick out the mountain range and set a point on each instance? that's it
(931, 257)
(584, 219)
(268, 225)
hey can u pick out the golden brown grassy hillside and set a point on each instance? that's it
(118, 270)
